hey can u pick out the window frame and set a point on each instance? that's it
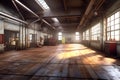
(77, 36)
(113, 27)
(59, 35)
(95, 32)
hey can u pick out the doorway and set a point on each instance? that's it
(11, 40)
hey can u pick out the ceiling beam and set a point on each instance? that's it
(33, 14)
(18, 9)
(64, 24)
(97, 5)
(89, 8)
(13, 18)
(63, 16)
(48, 23)
(65, 5)
(26, 8)
(50, 13)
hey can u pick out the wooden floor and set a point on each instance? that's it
(62, 62)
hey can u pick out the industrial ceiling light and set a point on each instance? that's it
(43, 4)
(55, 19)
(95, 13)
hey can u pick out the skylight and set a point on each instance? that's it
(43, 3)
(55, 19)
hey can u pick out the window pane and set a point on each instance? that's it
(77, 37)
(108, 28)
(112, 27)
(112, 17)
(87, 38)
(112, 33)
(116, 26)
(116, 32)
(108, 34)
(117, 21)
(30, 37)
(108, 37)
(117, 15)
(109, 24)
(60, 33)
(117, 38)
(95, 31)
(59, 37)
(112, 37)
(108, 19)
(87, 32)
(112, 23)
(76, 33)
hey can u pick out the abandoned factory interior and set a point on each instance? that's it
(59, 39)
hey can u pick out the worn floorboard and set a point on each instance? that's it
(62, 62)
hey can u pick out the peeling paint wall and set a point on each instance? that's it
(23, 30)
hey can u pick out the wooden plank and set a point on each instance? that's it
(56, 78)
(79, 71)
(39, 78)
(13, 77)
(92, 73)
(19, 68)
(53, 70)
(107, 71)
(62, 62)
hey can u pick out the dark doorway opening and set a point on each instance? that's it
(11, 40)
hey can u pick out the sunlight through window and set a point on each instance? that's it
(113, 27)
(77, 33)
(60, 36)
(95, 32)
(77, 37)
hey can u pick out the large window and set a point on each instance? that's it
(113, 27)
(60, 36)
(86, 35)
(77, 36)
(95, 32)
(30, 37)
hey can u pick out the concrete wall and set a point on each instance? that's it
(95, 45)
